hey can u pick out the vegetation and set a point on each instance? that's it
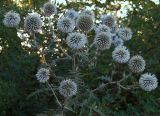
(22, 95)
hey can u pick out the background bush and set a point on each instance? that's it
(18, 67)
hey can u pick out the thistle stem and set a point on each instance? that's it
(54, 94)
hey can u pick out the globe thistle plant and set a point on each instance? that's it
(125, 33)
(11, 19)
(121, 54)
(103, 41)
(76, 40)
(32, 23)
(102, 28)
(85, 23)
(66, 24)
(71, 14)
(137, 64)
(49, 8)
(68, 88)
(148, 82)
(108, 20)
(43, 75)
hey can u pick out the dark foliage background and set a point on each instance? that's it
(18, 67)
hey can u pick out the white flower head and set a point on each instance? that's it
(89, 13)
(108, 20)
(125, 33)
(137, 64)
(102, 28)
(121, 54)
(43, 75)
(66, 24)
(114, 28)
(68, 88)
(148, 82)
(76, 40)
(117, 41)
(85, 23)
(103, 41)
(71, 14)
(11, 19)
(32, 23)
(49, 8)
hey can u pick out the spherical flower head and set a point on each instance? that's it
(71, 14)
(43, 75)
(11, 19)
(49, 8)
(121, 54)
(85, 23)
(76, 40)
(68, 88)
(103, 41)
(117, 41)
(32, 23)
(148, 82)
(125, 33)
(102, 28)
(114, 28)
(66, 24)
(137, 64)
(108, 20)
(89, 13)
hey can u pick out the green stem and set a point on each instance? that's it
(54, 94)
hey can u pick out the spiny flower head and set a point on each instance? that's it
(114, 28)
(103, 41)
(148, 82)
(137, 64)
(66, 24)
(71, 14)
(32, 23)
(68, 88)
(125, 33)
(89, 13)
(121, 54)
(43, 75)
(102, 28)
(76, 40)
(85, 23)
(11, 19)
(117, 41)
(49, 8)
(108, 20)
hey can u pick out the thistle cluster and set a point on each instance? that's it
(79, 33)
